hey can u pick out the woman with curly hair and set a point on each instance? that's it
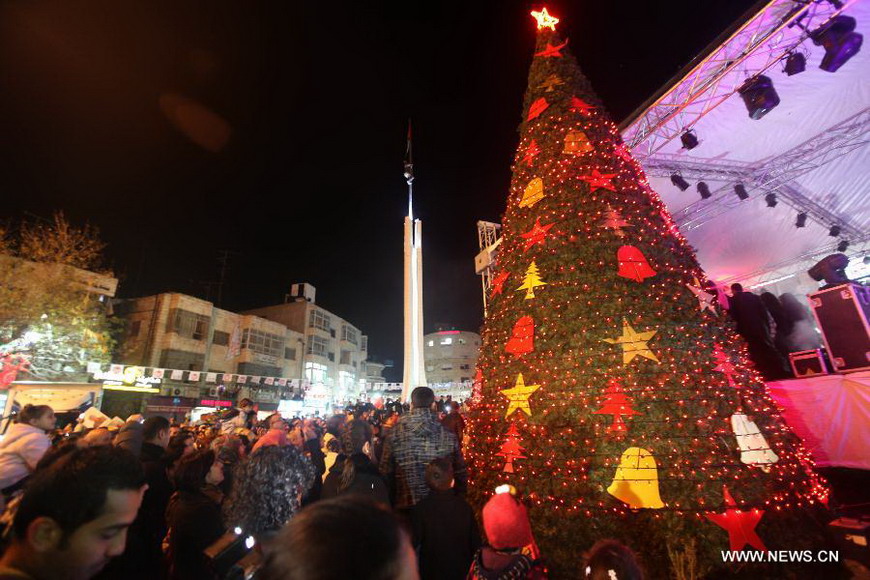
(267, 491)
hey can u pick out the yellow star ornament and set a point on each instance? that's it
(545, 20)
(633, 343)
(518, 396)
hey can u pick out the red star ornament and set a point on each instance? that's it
(599, 180)
(740, 525)
(537, 108)
(553, 51)
(498, 283)
(531, 152)
(578, 104)
(535, 235)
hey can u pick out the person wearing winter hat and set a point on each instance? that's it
(511, 551)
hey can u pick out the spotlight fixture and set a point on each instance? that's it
(689, 139)
(740, 190)
(759, 96)
(795, 63)
(678, 180)
(834, 231)
(843, 245)
(840, 40)
(770, 198)
(801, 220)
(704, 190)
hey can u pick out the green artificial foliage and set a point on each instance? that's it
(683, 403)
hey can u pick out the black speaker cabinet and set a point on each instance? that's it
(808, 363)
(842, 312)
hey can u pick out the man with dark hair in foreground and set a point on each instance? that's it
(74, 516)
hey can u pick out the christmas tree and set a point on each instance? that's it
(614, 291)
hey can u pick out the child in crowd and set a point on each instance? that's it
(610, 560)
(512, 551)
(445, 532)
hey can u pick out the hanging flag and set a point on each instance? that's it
(235, 347)
(281, 382)
(269, 380)
(176, 375)
(158, 373)
(210, 377)
(193, 376)
(226, 378)
(409, 160)
(242, 379)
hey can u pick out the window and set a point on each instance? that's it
(181, 359)
(446, 367)
(345, 357)
(429, 368)
(331, 356)
(315, 372)
(461, 341)
(188, 324)
(350, 334)
(365, 343)
(431, 343)
(221, 338)
(258, 369)
(346, 380)
(448, 340)
(134, 328)
(263, 342)
(464, 367)
(317, 319)
(290, 353)
(317, 345)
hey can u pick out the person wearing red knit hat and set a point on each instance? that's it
(511, 551)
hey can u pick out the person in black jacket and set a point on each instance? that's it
(353, 470)
(194, 515)
(445, 533)
(144, 555)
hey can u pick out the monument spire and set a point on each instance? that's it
(413, 372)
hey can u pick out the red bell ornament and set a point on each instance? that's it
(522, 340)
(633, 264)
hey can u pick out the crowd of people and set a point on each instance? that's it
(369, 494)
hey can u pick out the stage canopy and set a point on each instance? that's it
(812, 150)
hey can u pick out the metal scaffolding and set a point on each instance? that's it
(488, 239)
(777, 175)
(771, 34)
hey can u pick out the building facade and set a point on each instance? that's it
(451, 361)
(334, 351)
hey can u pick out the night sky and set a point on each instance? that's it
(275, 131)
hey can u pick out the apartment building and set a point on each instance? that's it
(335, 351)
(451, 360)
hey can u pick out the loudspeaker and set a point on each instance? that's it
(808, 363)
(842, 312)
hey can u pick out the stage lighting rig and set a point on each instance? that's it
(678, 180)
(704, 190)
(770, 198)
(689, 139)
(759, 96)
(801, 220)
(795, 63)
(840, 40)
(843, 245)
(834, 231)
(740, 190)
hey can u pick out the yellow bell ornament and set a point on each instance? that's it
(576, 143)
(534, 193)
(636, 482)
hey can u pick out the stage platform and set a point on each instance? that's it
(831, 413)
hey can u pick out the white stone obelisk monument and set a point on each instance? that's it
(414, 370)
